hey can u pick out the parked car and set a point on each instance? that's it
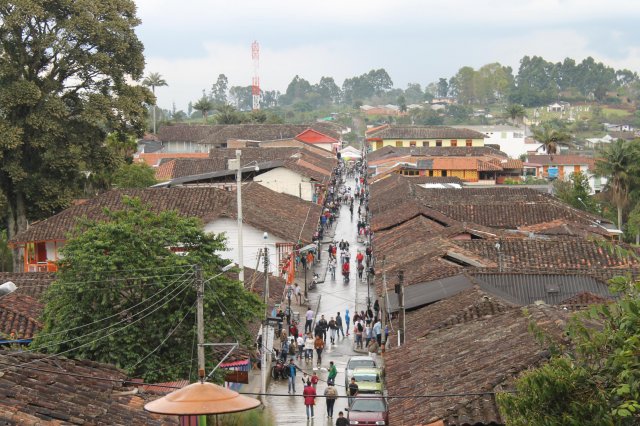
(368, 411)
(369, 380)
(355, 362)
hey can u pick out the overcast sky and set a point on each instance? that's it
(190, 42)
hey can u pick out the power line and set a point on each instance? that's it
(116, 314)
(102, 337)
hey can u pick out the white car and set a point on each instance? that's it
(357, 362)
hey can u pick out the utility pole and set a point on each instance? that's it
(383, 312)
(400, 292)
(266, 359)
(200, 320)
(239, 200)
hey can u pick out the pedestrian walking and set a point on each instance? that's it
(332, 267)
(298, 293)
(358, 330)
(333, 329)
(339, 325)
(314, 379)
(309, 320)
(352, 389)
(347, 319)
(309, 398)
(324, 326)
(360, 271)
(333, 372)
(318, 344)
(331, 393)
(372, 348)
(377, 331)
(342, 420)
(308, 347)
(300, 341)
(292, 376)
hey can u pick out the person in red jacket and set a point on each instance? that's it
(345, 271)
(309, 398)
(359, 257)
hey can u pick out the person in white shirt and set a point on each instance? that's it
(309, 321)
(300, 342)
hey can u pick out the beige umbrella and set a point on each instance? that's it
(200, 399)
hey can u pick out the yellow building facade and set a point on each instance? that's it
(422, 137)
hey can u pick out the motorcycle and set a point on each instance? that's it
(280, 370)
(314, 281)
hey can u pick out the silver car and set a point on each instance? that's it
(357, 362)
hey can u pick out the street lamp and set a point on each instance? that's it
(239, 168)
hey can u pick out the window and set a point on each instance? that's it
(454, 142)
(412, 143)
(438, 143)
(425, 143)
(430, 173)
(469, 142)
(444, 173)
(398, 144)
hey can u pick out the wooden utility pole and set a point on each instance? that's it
(200, 320)
(383, 308)
(266, 359)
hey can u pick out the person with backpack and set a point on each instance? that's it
(339, 325)
(331, 393)
(318, 344)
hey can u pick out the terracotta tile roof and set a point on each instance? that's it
(447, 360)
(184, 132)
(32, 284)
(154, 159)
(566, 227)
(283, 215)
(166, 170)
(561, 160)
(488, 166)
(313, 136)
(221, 133)
(433, 151)
(55, 397)
(584, 300)
(518, 254)
(19, 315)
(456, 163)
(424, 132)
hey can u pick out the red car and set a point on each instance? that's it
(368, 411)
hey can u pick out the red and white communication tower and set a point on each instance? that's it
(255, 82)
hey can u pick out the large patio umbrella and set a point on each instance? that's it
(201, 398)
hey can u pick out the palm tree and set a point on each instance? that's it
(204, 105)
(516, 112)
(154, 80)
(551, 138)
(620, 164)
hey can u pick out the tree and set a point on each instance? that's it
(551, 137)
(134, 175)
(442, 88)
(242, 98)
(154, 80)
(594, 381)
(516, 112)
(576, 192)
(203, 105)
(402, 103)
(219, 90)
(226, 114)
(64, 73)
(413, 93)
(328, 90)
(620, 164)
(124, 293)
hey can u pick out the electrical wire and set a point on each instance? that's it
(168, 335)
(124, 311)
(101, 337)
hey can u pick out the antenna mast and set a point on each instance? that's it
(255, 83)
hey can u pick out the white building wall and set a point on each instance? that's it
(252, 239)
(286, 181)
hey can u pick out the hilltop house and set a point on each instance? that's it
(562, 166)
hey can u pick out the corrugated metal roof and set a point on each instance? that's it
(422, 294)
(553, 289)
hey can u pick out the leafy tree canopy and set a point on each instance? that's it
(575, 192)
(122, 296)
(64, 73)
(134, 175)
(596, 380)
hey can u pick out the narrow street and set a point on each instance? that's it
(334, 296)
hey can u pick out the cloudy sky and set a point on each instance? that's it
(190, 42)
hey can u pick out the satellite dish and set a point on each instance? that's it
(6, 288)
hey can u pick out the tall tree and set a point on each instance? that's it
(154, 80)
(442, 88)
(575, 192)
(227, 114)
(203, 105)
(620, 164)
(219, 90)
(551, 137)
(123, 296)
(64, 73)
